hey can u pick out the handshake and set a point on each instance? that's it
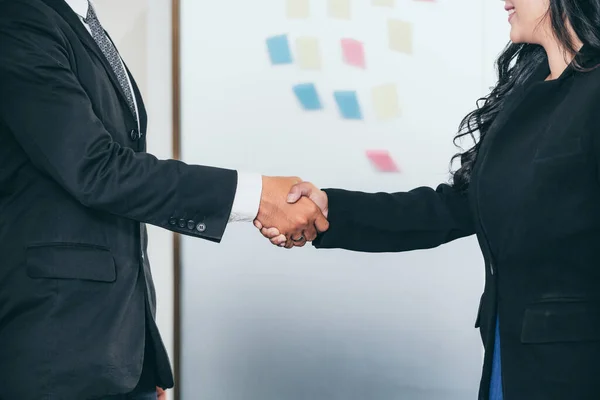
(291, 212)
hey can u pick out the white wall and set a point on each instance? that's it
(268, 324)
(142, 32)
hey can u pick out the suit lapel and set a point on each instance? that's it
(63, 9)
(512, 102)
(143, 117)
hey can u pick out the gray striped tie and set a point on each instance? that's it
(111, 54)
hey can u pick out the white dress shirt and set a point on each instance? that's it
(249, 186)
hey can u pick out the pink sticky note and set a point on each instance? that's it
(354, 52)
(382, 160)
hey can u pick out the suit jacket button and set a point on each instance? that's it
(182, 223)
(134, 134)
(200, 227)
(191, 224)
(173, 221)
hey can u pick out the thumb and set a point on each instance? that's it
(321, 223)
(299, 190)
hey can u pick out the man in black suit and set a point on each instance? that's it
(77, 302)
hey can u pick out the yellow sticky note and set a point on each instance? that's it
(383, 3)
(307, 52)
(298, 9)
(400, 36)
(339, 9)
(385, 101)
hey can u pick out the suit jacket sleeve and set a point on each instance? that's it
(390, 222)
(48, 112)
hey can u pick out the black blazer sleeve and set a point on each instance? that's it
(390, 222)
(44, 106)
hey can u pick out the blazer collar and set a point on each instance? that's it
(586, 57)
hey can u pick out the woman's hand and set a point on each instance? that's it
(306, 189)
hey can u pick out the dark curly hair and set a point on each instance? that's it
(515, 65)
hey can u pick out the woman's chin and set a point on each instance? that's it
(515, 37)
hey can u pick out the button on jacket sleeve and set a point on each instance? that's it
(44, 106)
(386, 222)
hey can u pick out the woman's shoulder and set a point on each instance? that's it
(587, 67)
(586, 83)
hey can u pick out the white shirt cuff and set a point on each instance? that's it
(247, 198)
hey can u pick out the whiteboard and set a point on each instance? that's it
(263, 323)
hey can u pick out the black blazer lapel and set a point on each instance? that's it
(142, 114)
(511, 104)
(63, 9)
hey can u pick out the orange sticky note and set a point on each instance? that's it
(382, 160)
(353, 52)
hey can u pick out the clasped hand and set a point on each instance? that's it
(291, 212)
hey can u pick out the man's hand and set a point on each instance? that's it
(299, 190)
(161, 394)
(298, 221)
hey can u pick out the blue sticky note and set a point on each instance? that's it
(307, 96)
(347, 102)
(279, 50)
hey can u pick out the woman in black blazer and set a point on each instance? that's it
(530, 190)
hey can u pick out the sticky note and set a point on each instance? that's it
(400, 36)
(347, 102)
(385, 101)
(279, 50)
(339, 9)
(383, 3)
(298, 9)
(306, 93)
(307, 52)
(353, 52)
(382, 160)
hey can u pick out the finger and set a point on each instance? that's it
(310, 233)
(270, 233)
(297, 243)
(299, 190)
(300, 243)
(321, 223)
(257, 224)
(161, 394)
(289, 243)
(278, 240)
